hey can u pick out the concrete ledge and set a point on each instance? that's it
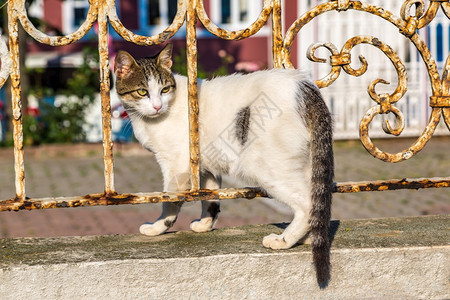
(394, 258)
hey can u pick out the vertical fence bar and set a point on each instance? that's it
(13, 28)
(446, 91)
(191, 52)
(105, 97)
(277, 36)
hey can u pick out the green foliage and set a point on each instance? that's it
(85, 80)
(63, 124)
(64, 121)
(180, 66)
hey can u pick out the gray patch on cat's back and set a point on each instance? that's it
(242, 125)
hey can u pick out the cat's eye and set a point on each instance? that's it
(165, 90)
(142, 92)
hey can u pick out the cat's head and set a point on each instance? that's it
(146, 86)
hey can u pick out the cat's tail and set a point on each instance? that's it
(319, 122)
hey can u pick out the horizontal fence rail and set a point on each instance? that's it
(414, 15)
(203, 194)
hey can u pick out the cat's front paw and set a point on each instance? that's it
(275, 242)
(153, 229)
(202, 225)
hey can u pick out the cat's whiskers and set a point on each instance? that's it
(128, 127)
(137, 114)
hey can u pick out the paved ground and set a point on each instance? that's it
(78, 170)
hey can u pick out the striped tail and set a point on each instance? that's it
(318, 120)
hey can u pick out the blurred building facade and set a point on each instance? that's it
(347, 97)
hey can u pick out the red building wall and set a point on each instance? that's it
(128, 13)
(53, 13)
(290, 11)
(253, 49)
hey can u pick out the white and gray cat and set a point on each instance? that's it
(269, 128)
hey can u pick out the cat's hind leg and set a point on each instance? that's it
(297, 230)
(297, 196)
(210, 208)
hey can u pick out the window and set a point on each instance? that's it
(173, 7)
(74, 14)
(235, 14)
(36, 9)
(243, 10)
(79, 15)
(225, 6)
(161, 12)
(241, 7)
(439, 43)
(156, 15)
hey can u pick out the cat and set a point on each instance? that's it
(270, 128)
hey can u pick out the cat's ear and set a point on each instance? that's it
(164, 57)
(122, 64)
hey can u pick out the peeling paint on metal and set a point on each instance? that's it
(413, 15)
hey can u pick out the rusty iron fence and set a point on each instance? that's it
(414, 15)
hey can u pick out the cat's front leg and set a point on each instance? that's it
(210, 208)
(164, 222)
(170, 210)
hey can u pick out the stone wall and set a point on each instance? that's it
(396, 258)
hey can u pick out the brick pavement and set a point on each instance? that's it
(78, 170)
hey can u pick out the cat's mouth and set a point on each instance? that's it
(156, 114)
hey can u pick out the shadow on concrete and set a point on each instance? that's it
(334, 226)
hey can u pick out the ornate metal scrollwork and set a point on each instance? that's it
(414, 15)
(408, 24)
(234, 35)
(342, 60)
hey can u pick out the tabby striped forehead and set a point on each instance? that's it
(151, 69)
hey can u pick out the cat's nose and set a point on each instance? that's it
(157, 106)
